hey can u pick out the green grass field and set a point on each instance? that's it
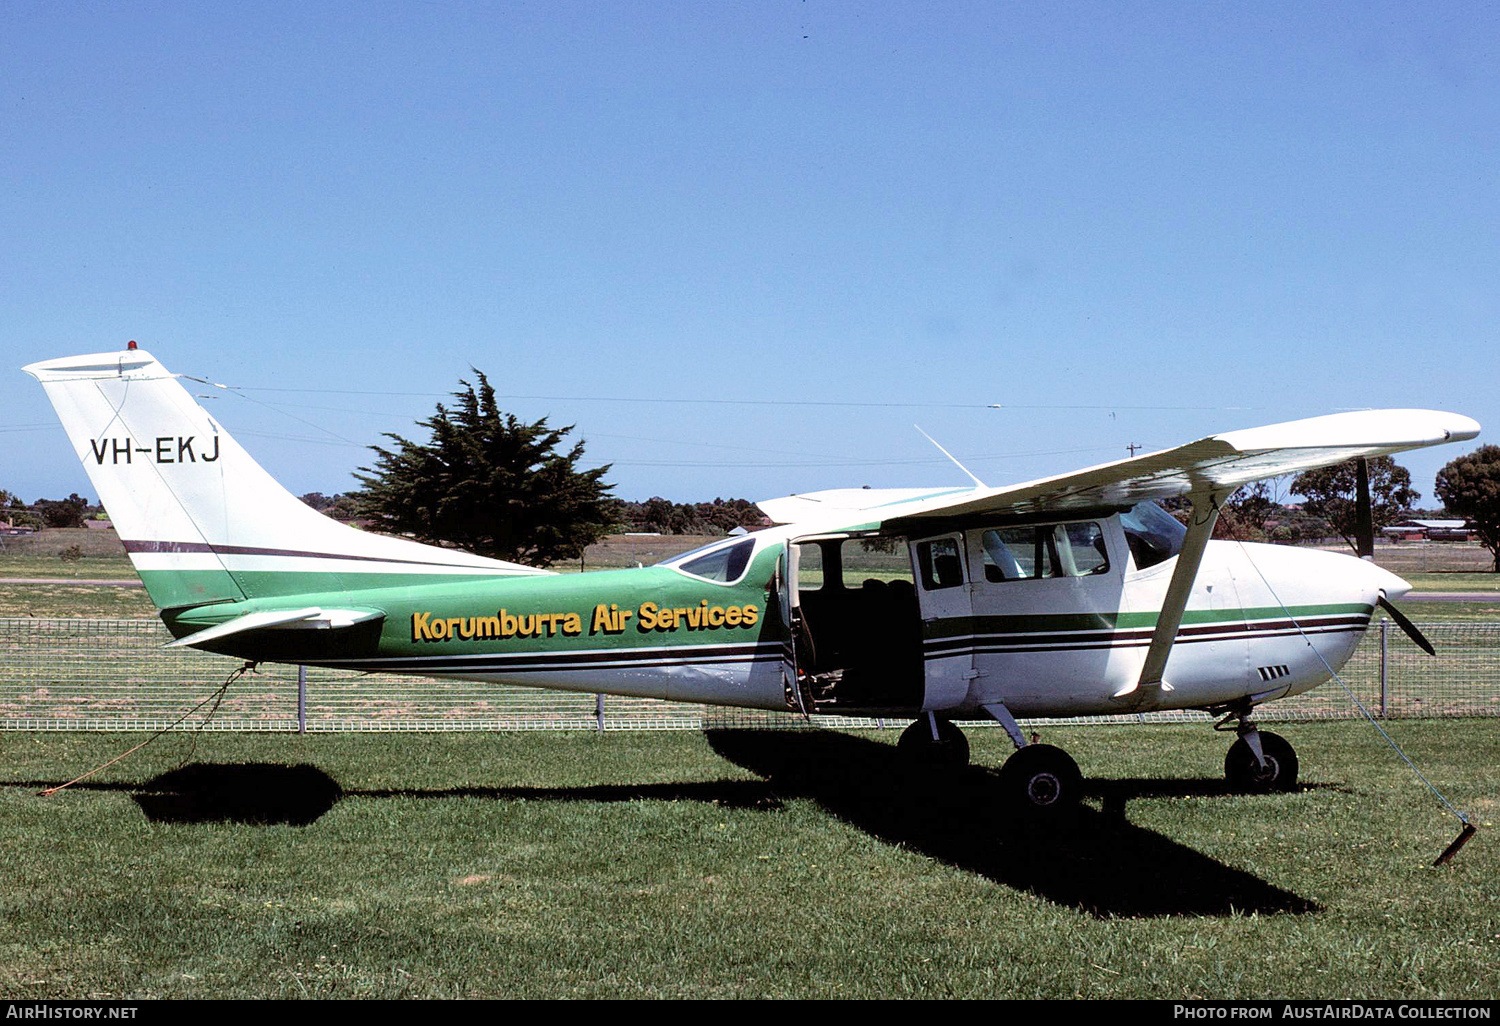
(749, 864)
(732, 864)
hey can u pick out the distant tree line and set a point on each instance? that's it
(1261, 511)
(654, 516)
(69, 512)
(661, 516)
(1468, 488)
(344, 506)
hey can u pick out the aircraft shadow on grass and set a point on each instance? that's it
(1091, 859)
(257, 794)
(1088, 859)
(253, 793)
(266, 794)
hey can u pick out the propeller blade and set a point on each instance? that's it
(1407, 626)
(1364, 521)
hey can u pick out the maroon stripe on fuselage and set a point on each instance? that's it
(250, 550)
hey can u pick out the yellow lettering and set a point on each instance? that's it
(646, 617)
(716, 617)
(602, 621)
(750, 616)
(608, 619)
(732, 616)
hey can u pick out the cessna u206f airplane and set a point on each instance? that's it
(1067, 596)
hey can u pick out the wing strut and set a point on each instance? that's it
(1200, 529)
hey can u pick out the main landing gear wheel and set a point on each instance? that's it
(1244, 773)
(949, 752)
(1043, 778)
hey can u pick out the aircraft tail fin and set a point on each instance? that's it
(201, 520)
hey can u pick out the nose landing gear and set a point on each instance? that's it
(1259, 761)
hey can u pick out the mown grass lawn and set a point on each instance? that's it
(741, 864)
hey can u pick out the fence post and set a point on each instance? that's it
(1384, 665)
(599, 711)
(302, 700)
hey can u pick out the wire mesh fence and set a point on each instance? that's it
(76, 674)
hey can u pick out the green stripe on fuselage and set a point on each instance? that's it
(1049, 623)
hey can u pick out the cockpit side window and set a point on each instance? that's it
(1038, 551)
(1154, 535)
(724, 565)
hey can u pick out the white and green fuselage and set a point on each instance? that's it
(1045, 598)
(647, 632)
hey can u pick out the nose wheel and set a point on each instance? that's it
(1276, 771)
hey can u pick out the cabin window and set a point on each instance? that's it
(812, 574)
(1038, 551)
(725, 565)
(941, 563)
(1154, 535)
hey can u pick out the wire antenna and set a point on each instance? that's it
(1469, 829)
(948, 454)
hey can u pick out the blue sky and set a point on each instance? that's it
(745, 247)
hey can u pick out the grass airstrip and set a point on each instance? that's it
(740, 864)
(734, 864)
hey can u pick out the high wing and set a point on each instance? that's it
(1210, 466)
(1206, 470)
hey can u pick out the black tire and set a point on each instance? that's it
(949, 752)
(1042, 778)
(1244, 773)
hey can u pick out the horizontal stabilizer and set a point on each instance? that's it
(310, 618)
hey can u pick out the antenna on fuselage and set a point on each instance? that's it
(948, 454)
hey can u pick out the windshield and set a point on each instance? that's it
(1154, 535)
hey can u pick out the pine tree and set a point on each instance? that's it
(489, 483)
